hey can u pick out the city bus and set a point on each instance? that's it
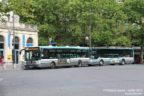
(53, 56)
(112, 55)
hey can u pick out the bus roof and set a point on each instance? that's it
(112, 48)
(63, 47)
(78, 47)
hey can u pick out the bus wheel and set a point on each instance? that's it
(52, 65)
(79, 64)
(123, 62)
(101, 63)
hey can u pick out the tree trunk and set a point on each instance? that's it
(141, 55)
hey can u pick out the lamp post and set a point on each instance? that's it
(50, 40)
(13, 40)
(90, 45)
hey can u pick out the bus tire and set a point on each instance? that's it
(101, 63)
(122, 62)
(52, 65)
(79, 64)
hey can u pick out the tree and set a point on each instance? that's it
(134, 10)
(52, 22)
(4, 8)
(24, 8)
(67, 22)
(107, 21)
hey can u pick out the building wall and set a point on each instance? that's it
(20, 30)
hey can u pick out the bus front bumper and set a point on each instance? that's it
(31, 65)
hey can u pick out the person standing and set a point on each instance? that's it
(2, 64)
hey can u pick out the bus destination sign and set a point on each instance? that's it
(32, 48)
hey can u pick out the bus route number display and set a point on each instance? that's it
(32, 48)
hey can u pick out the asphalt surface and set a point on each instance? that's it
(127, 80)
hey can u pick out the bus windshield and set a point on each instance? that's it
(32, 55)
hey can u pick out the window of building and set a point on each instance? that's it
(16, 43)
(1, 42)
(9, 18)
(29, 42)
(1, 46)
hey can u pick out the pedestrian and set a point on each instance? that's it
(2, 63)
(138, 59)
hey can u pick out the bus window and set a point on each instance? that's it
(45, 54)
(82, 53)
(32, 55)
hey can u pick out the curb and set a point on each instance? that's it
(15, 67)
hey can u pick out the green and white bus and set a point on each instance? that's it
(50, 56)
(112, 55)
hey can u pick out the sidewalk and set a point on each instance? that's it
(11, 67)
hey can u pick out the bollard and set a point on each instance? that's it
(15, 66)
(4, 66)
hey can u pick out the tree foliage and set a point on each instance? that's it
(4, 8)
(24, 8)
(134, 10)
(67, 22)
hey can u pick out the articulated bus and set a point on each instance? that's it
(50, 56)
(112, 55)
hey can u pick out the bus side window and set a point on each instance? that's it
(94, 53)
(58, 56)
(96, 57)
(45, 54)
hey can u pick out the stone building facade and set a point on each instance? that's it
(25, 35)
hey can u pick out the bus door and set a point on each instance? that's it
(94, 57)
(64, 60)
(129, 56)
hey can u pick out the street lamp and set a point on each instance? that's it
(90, 45)
(86, 38)
(50, 40)
(13, 39)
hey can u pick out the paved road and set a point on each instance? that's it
(127, 80)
